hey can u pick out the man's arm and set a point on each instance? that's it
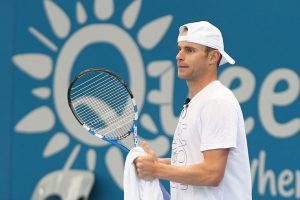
(208, 173)
(166, 161)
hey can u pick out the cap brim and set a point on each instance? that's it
(226, 58)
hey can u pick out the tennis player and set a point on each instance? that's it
(209, 158)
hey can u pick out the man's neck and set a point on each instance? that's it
(197, 86)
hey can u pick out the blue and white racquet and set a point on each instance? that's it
(103, 104)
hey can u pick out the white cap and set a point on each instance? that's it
(206, 34)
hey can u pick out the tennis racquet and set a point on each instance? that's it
(103, 104)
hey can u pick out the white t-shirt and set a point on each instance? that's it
(212, 120)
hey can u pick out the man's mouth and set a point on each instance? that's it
(182, 65)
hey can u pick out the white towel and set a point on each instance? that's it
(136, 188)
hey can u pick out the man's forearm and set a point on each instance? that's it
(208, 173)
(198, 174)
(166, 161)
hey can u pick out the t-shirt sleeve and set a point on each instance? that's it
(218, 124)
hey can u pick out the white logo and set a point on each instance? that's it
(40, 66)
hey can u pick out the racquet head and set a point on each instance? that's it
(102, 103)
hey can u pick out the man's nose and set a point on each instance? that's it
(179, 55)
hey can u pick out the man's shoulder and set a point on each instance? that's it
(218, 91)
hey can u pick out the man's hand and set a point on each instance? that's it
(146, 165)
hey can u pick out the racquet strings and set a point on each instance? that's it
(103, 103)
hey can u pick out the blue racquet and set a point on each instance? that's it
(103, 104)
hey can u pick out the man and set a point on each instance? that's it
(209, 152)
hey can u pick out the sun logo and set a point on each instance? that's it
(42, 66)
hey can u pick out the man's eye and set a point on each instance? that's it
(189, 50)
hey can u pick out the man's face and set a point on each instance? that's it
(192, 61)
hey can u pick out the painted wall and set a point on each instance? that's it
(43, 44)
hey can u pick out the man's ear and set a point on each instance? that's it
(214, 57)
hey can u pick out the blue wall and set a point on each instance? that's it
(43, 44)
